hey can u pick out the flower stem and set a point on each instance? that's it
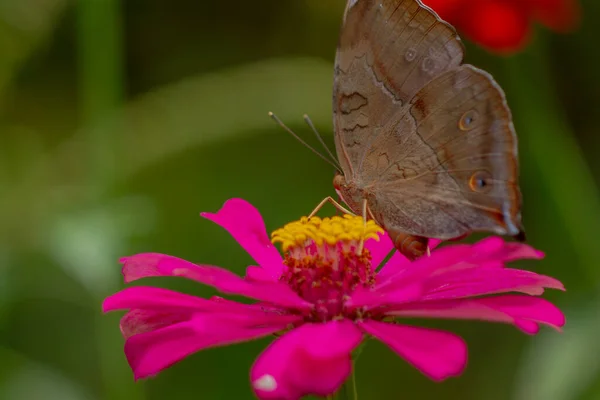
(349, 390)
(354, 391)
(346, 392)
(101, 81)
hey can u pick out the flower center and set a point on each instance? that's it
(326, 261)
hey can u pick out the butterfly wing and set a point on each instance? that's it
(453, 165)
(429, 142)
(388, 50)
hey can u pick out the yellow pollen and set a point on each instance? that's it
(325, 230)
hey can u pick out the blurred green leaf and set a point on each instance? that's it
(550, 141)
(87, 243)
(24, 25)
(221, 106)
(6, 290)
(563, 367)
(27, 379)
(214, 107)
(36, 382)
(101, 76)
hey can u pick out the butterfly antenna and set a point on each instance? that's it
(288, 130)
(318, 135)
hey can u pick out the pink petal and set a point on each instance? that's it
(425, 266)
(261, 308)
(139, 321)
(154, 308)
(525, 312)
(312, 359)
(367, 298)
(147, 297)
(496, 248)
(152, 297)
(379, 249)
(398, 262)
(247, 227)
(477, 281)
(437, 354)
(406, 284)
(461, 271)
(154, 264)
(151, 352)
(433, 243)
(254, 273)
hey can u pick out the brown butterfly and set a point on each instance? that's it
(426, 144)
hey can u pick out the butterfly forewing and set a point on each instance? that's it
(388, 50)
(427, 141)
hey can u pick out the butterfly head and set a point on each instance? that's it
(349, 192)
(342, 187)
(339, 181)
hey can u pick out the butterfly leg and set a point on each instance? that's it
(412, 247)
(361, 245)
(326, 200)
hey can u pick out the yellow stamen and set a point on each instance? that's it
(325, 230)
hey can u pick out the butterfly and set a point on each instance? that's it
(426, 144)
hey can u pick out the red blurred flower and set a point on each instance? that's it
(504, 26)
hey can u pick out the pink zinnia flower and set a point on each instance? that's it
(323, 298)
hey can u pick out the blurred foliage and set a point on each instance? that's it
(121, 121)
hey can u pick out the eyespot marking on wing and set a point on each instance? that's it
(481, 182)
(410, 55)
(468, 120)
(429, 66)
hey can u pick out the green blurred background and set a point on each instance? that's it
(120, 121)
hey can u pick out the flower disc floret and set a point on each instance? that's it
(326, 262)
(348, 228)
